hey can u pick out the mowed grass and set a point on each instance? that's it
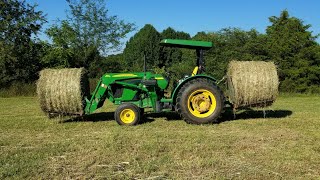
(285, 144)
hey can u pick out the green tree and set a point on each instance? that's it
(113, 63)
(144, 43)
(20, 51)
(61, 53)
(88, 34)
(169, 55)
(294, 49)
(231, 44)
(94, 26)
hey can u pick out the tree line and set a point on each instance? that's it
(91, 38)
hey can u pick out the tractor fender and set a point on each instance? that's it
(176, 90)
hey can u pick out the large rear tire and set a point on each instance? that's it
(200, 101)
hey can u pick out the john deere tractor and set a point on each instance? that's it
(196, 97)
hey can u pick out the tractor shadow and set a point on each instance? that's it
(109, 116)
(228, 115)
(249, 114)
(96, 117)
(168, 116)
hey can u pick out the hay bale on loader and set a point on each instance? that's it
(252, 83)
(62, 91)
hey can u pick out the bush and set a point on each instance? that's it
(19, 89)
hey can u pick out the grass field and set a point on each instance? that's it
(285, 144)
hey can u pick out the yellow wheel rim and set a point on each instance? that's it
(201, 103)
(127, 116)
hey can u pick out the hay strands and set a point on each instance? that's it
(63, 91)
(252, 83)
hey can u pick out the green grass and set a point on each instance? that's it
(285, 144)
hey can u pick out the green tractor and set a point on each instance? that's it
(196, 97)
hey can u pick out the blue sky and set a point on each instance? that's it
(200, 15)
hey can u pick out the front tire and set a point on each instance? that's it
(127, 114)
(200, 101)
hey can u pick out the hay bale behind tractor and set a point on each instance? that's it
(62, 91)
(252, 83)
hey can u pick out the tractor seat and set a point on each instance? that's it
(195, 71)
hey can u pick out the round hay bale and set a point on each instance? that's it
(252, 83)
(62, 91)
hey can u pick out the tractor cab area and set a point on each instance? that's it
(199, 46)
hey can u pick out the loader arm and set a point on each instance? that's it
(132, 85)
(103, 91)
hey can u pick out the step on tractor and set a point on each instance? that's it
(196, 97)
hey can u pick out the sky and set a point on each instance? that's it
(193, 16)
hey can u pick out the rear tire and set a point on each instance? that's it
(127, 114)
(200, 101)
